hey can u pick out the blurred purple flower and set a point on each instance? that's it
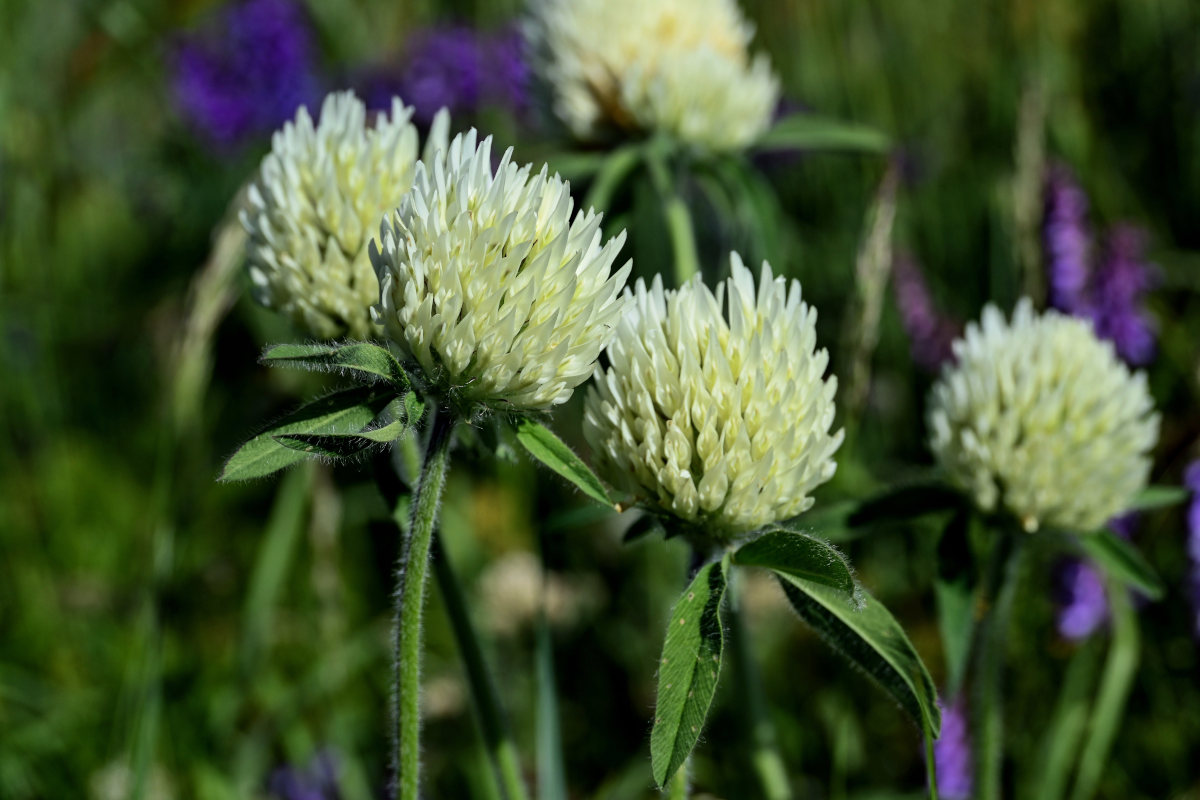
(1083, 606)
(1110, 293)
(1067, 241)
(1191, 480)
(458, 68)
(930, 332)
(1082, 602)
(952, 753)
(1121, 280)
(317, 781)
(246, 71)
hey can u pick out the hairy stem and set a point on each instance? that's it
(680, 786)
(409, 596)
(501, 746)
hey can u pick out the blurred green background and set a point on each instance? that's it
(163, 631)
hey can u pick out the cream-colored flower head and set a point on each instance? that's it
(1039, 417)
(315, 204)
(714, 408)
(490, 285)
(680, 66)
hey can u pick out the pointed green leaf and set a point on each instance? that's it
(366, 362)
(812, 132)
(1122, 561)
(1158, 497)
(871, 639)
(393, 422)
(688, 670)
(547, 448)
(345, 411)
(801, 556)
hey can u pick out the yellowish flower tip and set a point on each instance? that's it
(634, 66)
(714, 408)
(490, 285)
(1040, 418)
(315, 204)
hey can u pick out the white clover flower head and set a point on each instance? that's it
(1039, 417)
(315, 204)
(490, 285)
(714, 408)
(635, 66)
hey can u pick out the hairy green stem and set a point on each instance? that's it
(501, 746)
(767, 762)
(411, 570)
(680, 786)
(1000, 589)
(1115, 683)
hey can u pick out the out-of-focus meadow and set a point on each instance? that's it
(167, 635)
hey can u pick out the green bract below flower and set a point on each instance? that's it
(316, 203)
(715, 408)
(1040, 417)
(636, 66)
(489, 285)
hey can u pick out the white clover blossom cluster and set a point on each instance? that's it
(1039, 417)
(489, 284)
(714, 407)
(315, 205)
(680, 66)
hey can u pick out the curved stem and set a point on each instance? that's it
(501, 747)
(1115, 683)
(767, 762)
(1000, 590)
(679, 219)
(409, 596)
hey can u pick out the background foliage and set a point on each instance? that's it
(156, 626)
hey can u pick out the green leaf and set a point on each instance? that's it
(547, 448)
(687, 673)
(953, 597)
(393, 422)
(812, 132)
(871, 639)
(800, 556)
(1122, 561)
(1159, 497)
(364, 361)
(341, 412)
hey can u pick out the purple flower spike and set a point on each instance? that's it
(457, 68)
(1121, 280)
(246, 71)
(1067, 241)
(1110, 293)
(930, 333)
(952, 753)
(1084, 606)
